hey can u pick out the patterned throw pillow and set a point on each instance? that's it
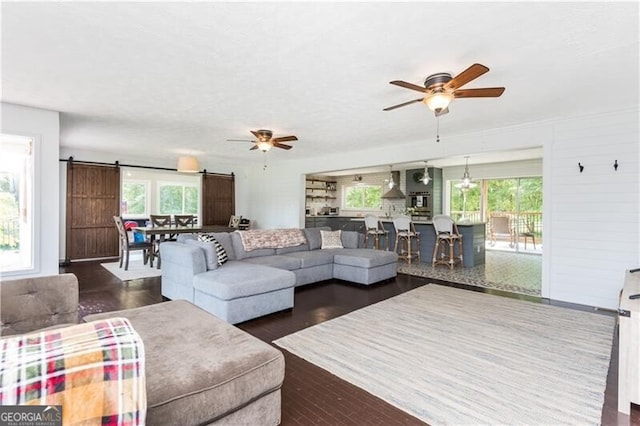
(331, 239)
(221, 253)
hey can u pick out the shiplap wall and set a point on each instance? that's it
(594, 215)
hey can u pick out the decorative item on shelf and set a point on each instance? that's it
(409, 211)
(188, 164)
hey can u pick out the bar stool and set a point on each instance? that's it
(406, 233)
(447, 236)
(374, 228)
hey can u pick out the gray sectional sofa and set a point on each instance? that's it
(259, 282)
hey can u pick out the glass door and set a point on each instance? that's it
(514, 214)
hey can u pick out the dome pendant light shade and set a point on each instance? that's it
(264, 146)
(188, 164)
(438, 101)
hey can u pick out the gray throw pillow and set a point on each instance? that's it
(209, 252)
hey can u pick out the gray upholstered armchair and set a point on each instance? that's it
(29, 304)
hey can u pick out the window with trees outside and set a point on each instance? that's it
(177, 198)
(363, 197)
(135, 198)
(17, 232)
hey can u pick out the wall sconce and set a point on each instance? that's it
(188, 164)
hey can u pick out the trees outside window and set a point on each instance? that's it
(178, 199)
(135, 198)
(363, 197)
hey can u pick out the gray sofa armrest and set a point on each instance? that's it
(180, 263)
(29, 304)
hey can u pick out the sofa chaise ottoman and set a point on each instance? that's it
(202, 370)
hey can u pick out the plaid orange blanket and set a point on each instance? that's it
(94, 370)
(255, 239)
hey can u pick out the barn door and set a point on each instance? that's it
(93, 197)
(218, 199)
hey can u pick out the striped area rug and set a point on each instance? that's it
(451, 356)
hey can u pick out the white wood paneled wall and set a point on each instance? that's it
(592, 216)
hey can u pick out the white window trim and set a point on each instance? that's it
(35, 241)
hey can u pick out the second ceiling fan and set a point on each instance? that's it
(266, 141)
(440, 89)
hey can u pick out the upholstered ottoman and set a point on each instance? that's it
(364, 266)
(240, 291)
(202, 370)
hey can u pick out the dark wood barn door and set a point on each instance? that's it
(93, 197)
(218, 198)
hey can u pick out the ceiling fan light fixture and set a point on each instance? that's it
(264, 146)
(438, 101)
(188, 164)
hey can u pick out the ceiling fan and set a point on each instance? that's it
(440, 89)
(266, 140)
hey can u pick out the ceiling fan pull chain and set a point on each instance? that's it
(264, 164)
(438, 129)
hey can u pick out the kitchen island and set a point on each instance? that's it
(473, 235)
(473, 239)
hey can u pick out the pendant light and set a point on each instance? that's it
(391, 182)
(394, 192)
(188, 164)
(467, 182)
(425, 177)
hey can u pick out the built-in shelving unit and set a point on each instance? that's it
(320, 189)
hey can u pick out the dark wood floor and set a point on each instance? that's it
(310, 395)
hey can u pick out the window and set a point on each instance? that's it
(17, 244)
(362, 197)
(175, 198)
(135, 198)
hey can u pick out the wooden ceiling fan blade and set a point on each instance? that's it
(285, 139)
(403, 104)
(239, 140)
(283, 146)
(486, 92)
(471, 73)
(256, 134)
(408, 86)
(253, 148)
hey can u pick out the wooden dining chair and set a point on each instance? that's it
(184, 220)
(160, 221)
(127, 246)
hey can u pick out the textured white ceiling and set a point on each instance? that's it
(162, 79)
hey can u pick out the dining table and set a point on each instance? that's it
(159, 234)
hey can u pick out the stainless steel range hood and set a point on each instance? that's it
(394, 193)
